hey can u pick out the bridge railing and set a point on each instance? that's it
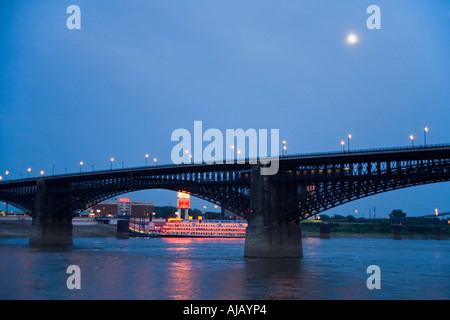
(419, 147)
(246, 160)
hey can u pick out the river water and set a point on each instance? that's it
(200, 269)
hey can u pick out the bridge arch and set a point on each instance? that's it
(235, 200)
(213, 195)
(327, 191)
(24, 207)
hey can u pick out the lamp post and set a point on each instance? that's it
(425, 130)
(284, 148)
(146, 158)
(81, 165)
(111, 160)
(343, 145)
(412, 140)
(6, 173)
(42, 172)
(29, 170)
(155, 161)
(348, 141)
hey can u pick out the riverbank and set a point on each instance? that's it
(21, 228)
(379, 230)
(309, 234)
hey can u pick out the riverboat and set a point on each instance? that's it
(177, 227)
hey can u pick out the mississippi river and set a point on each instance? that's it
(199, 269)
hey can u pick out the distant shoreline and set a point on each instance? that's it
(20, 228)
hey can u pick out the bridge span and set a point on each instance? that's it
(273, 205)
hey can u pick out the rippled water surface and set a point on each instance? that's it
(189, 268)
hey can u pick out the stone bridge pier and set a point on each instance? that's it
(51, 224)
(266, 238)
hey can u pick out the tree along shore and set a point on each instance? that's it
(413, 229)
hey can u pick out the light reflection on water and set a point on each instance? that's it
(193, 268)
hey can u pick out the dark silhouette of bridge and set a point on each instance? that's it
(273, 205)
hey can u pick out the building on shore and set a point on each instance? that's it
(122, 208)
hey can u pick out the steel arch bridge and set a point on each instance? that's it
(305, 185)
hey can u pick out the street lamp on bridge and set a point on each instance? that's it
(111, 160)
(6, 173)
(81, 164)
(343, 145)
(412, 139)
(425, 130)
(29, 170)
(146, 158)
(348, 141)
(155, 161)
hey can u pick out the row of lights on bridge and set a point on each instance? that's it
(425, 131)
(42, 172)
(155, 160)
(411, 137)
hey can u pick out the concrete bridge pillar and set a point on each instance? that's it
(276, 240)
(49, 226)
(438, 233)
(325, 231)
(265, 239)
(397, 232)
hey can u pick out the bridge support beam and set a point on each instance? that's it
(264, 239)
(49, 226)
(397, 232)
(276, 240)
(51, 233)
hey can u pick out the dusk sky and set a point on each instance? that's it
(138, 70)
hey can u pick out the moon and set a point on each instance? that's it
(352, 38)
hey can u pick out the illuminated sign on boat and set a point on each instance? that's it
(183, 195)
(184, 203)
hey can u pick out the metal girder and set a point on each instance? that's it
(305, 184)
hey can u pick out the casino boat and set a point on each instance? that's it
(177, 227)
